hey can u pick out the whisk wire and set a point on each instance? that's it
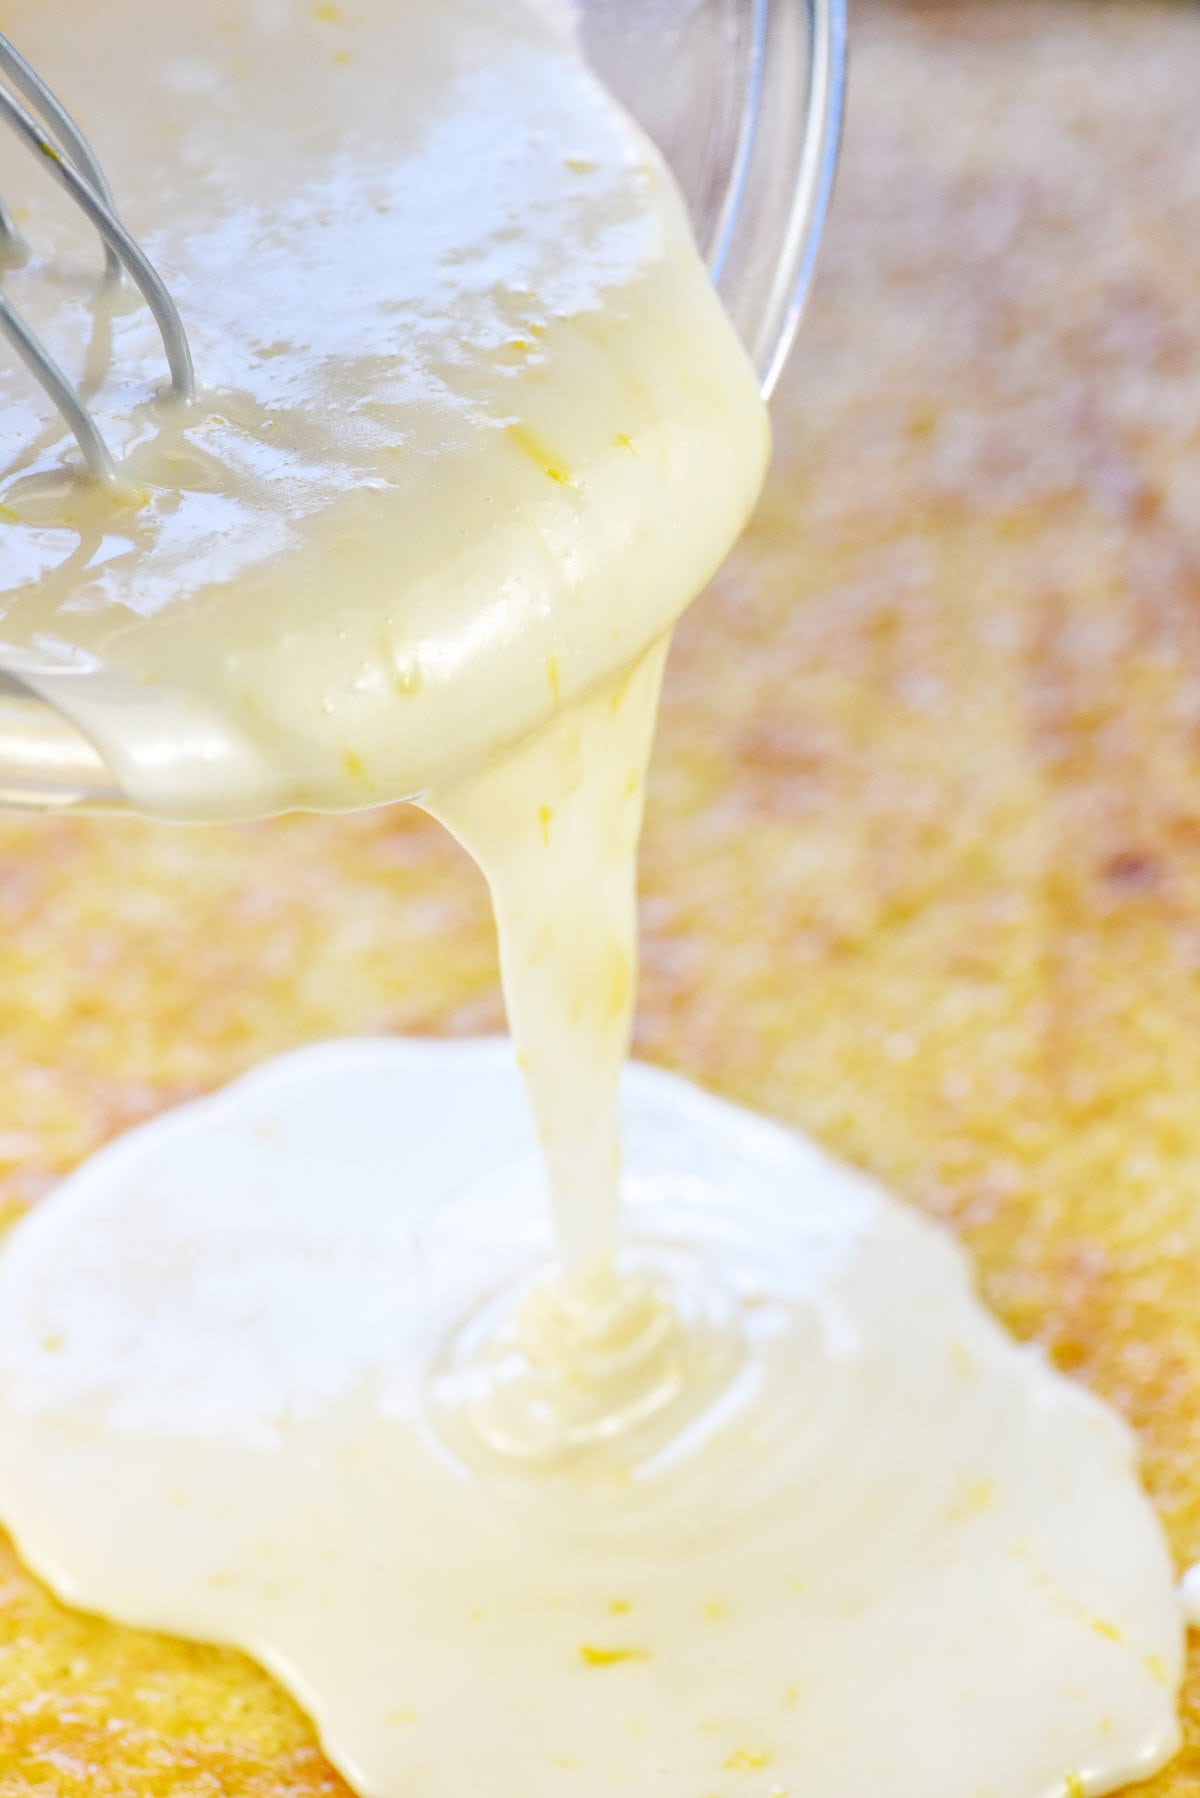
(70, 160)
(42, 365)
(12, 244)
(24, 77)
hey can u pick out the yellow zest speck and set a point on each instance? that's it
(7, 516)
(619, 1607)
(53, 1343)
(609, 1657)
(749, 1760)
(1103, 1628)
(1156, 1670)
(1074, 1786)
(327, 13)
(536, 450)
(352, 762)
(342, 57)
(621, 441)
(792, 1695)
(129, 498)
(545, 818)
(402, 1716)
(976, 1498)
(715, 1611)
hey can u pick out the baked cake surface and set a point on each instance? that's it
(922, 862)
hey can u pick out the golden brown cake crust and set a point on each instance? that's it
(922, 865)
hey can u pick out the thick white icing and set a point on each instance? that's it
(753, 1498)
(472, 428)
(871, 1545)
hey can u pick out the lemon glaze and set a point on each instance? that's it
(730, 1488)
(851, 1539)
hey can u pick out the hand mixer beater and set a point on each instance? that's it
(45, 126)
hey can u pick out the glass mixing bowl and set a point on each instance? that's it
(744, 98)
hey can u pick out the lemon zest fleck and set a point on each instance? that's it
(749, 1760)
(976, 1498)
(609, 1657)
(532, 445)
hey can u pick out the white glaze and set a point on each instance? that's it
(472, 430)
(762, 1504)
(890, 1552)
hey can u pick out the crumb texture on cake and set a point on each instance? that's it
(922, 862)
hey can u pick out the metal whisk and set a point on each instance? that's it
(50, 132)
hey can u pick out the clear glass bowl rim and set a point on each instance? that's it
(777, 188)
